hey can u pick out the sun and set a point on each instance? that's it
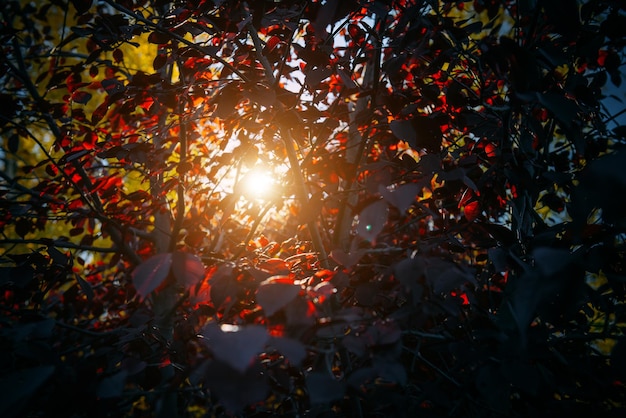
(258, 184)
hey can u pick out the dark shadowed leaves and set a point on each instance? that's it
(112, 386)
(549, 261)
(112, 86)
(223, 285)
(444, 276)
(563, 108)
(349, 258)
(86, 287)
(390, 370)
(316, 76)
(292, 349)
(150, 274)
(346, 259)
(323, 388)
(81, 97)
(13, 143)
(236, 389)
(409, 272)
(404, 130)
(276, 292)
(81, 6)
(17, 387)
(372, 220)
(522, 375)
(539, 284)
(498, 258)
(618, 359)
(494, 388)
(238, 346)
(420, 132)
(402, 197)
(187, 268)
(32, 330)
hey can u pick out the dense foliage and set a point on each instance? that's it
(444, 234)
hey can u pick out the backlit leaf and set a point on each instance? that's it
(275, 266)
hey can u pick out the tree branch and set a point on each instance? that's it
(58, 243)
(109, 226)
(179, 38)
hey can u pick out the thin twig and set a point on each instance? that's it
(205, 51)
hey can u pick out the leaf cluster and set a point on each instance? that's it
(445, 235)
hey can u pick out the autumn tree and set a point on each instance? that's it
(298, 207)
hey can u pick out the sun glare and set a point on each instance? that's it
(258, 184)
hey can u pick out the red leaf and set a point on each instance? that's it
(158, 38)
(272, 42)
(187, 268)
(356, 33)
(81, 97)
(238, 347)
(274, 266)
(159, 61)
(100, 112)
(372, 220)
(276, 292)
(112, 85)
(471, 211)
(149, 275)
(118, 55)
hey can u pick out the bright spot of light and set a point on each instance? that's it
(258, 184)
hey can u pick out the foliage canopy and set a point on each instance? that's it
(443, 232)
